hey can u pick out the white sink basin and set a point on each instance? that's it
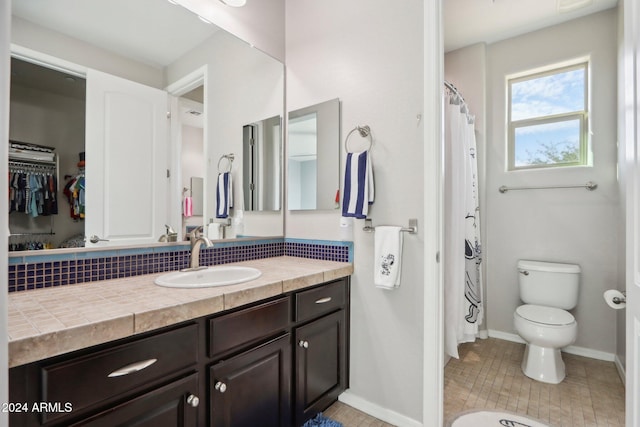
(208, 277)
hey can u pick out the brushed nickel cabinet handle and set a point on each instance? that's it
(220, 386)
(134, 367)
(193, 400)
(323, 300)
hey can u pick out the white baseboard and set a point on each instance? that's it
(506, 336)
(384, 414)
(572, 349)
(620, 368)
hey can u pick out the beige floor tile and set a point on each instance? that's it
(351, 417)
(592, 393)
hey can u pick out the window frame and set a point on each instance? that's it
(581, 115)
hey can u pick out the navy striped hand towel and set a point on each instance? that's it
(358, 185)
(224, 195)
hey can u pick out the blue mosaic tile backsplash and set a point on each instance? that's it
(43, 271)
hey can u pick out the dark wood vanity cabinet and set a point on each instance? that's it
(321, 348)
(275, 363)
(320, 365)
(127, 382)
(172, 405)
(253, 388)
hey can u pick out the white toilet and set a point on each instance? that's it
(547, 290)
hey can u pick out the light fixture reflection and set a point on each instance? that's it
(234, 3)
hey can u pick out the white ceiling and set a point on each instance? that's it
(467, 22)
(154, 32)
(157, 32)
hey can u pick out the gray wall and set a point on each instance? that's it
(369, 53)
(29, 35)
(259, 23)
(621, 328)
(575, 225)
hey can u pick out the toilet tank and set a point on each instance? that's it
(548, 283)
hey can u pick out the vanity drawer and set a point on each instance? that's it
(115, 372)
(232, 332)
(320, 300)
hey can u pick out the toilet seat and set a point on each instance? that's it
(545, 315)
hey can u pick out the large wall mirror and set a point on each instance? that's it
(314, 157)
(129, 187)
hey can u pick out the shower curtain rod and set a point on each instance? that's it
(465, 106)
(454, 89)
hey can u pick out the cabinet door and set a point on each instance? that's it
(173, 405)
(321, 357)
(253, 388)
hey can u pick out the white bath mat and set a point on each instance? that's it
(494, 419)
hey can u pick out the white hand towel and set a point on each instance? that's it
(358, 185)
(224, 195)
(388, 257)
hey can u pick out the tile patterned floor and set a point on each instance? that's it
(351, 417)
(488, 376)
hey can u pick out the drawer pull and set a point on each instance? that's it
(220, 386)
(323, 300)
(134, 367)
(303, 344)
(193, 400)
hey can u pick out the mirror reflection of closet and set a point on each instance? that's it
(47, 108)
(314, 157)
(192, 119)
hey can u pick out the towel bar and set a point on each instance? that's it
(411, 229)
(589, 186)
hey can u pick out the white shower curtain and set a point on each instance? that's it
(462, 245)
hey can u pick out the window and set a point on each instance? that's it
(547, 119)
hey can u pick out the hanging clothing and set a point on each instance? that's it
(33, 193)
(74, 190)
(462, 243)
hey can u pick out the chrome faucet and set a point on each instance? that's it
(197, 240)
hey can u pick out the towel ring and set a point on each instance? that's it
(364, 131)
(229, 158)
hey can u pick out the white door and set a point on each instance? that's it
(632, 153)
(126, 157)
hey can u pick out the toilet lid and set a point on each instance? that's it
(545, 315)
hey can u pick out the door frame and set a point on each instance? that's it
(48, 61)
(5, 78)
(433, 303)
(188, 82)
(630, 143)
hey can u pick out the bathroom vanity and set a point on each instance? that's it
(271, 352)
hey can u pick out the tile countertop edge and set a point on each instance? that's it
(48, 344)
(146, 321)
